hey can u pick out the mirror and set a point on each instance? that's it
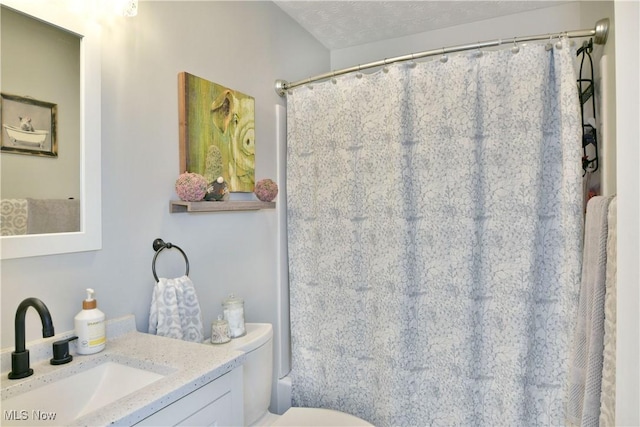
(40, 135)
(65, 161)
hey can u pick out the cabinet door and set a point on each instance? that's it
(218, 403)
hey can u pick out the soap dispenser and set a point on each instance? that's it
(90, 326)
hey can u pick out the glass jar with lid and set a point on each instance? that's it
(220, 331)
(233, 310)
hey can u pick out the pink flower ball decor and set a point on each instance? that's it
(266, 190)
(191, 187)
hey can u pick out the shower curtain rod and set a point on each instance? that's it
(600, 33)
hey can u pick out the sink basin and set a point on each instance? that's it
(64, 400)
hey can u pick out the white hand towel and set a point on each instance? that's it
(608, 389)
(585, 370)
(175, 311)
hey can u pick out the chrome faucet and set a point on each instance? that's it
(20, 358)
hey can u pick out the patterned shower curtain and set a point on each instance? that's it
(435, 223)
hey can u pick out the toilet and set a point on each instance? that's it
(257, 373)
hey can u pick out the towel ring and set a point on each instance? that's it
(158, 246)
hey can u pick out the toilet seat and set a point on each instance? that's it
(318, 417)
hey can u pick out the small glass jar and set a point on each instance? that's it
(233, 309)
(220, 331)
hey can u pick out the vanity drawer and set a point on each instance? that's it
(218, 403)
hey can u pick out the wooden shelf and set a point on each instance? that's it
(177, 206)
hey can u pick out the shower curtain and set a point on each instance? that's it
(435, 221)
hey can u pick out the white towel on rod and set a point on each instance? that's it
(175, 311)
(585, 364)
(608, 389)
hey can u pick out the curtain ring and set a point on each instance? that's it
(559, 42)
(308, 83)
(478, 51)
(412, 63)
(515, 48)
(444, 58)
(333, 77)
(385, 68)
(549, 46)
(359, 74)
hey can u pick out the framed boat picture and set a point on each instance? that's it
(28, 126)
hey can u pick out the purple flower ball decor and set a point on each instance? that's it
(266, 190)
(191, 187)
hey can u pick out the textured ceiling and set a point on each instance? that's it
(340, 24)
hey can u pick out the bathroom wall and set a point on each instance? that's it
(242, 45)
(627, 32)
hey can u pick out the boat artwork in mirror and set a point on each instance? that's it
(50, 141)
(29, 127)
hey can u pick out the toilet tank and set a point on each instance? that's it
(257, 369)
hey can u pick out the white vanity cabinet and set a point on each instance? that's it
(218, 403)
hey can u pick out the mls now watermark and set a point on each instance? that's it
(24, 415)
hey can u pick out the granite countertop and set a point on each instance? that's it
(186, 367)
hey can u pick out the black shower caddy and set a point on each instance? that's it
(586, 90)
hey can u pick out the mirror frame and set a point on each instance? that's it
(89, 238)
